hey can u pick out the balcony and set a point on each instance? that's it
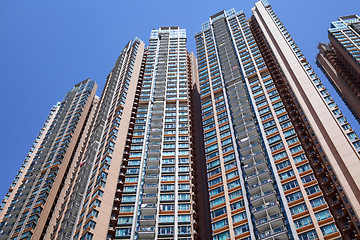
(147, 220)
(149, 198)
(260, 183)
(152, 169)
(251, 165)
(268, 219)
(257, 174)
(261, 195)
(151, 188)
(151, 178)
(146, 232)
(148, 208)
(272, 233)
(265, 206)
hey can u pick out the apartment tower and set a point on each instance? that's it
(37, 196)
(340, 60)
(135, 179)
(243, 143)
(93, 197)
(282, 162)
(9, 197)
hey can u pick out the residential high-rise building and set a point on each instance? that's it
(27, 162)
(242, 143)
(42, 187)
(340, 60)
(94, 195)
(135, 179)
(157, 199)
(282, 162)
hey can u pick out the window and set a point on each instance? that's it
(232, 174)
(167, 207)
(323, 215)
(289, 133)
(184, 186)
(167, 187)
(235, 194)
(286, 175)
(90, 224)
(302, 222)
(295, 149)
(308, 178)
(184, 229)
(299, 158)
(217, 201)
(312, 189)
(242, 229)
(219, 224)
(184, 218)
(166, 230)
(317, 202)
(298, 209)
(279, 155)
(290, 185)
(222, 236)
(311, 235)
(233, 184)
(328, 229)
(183, 207)
(237, 205)
(166, 197)
(216, 191)
(282, 165)
(126, 208)
(277, 147)
(239, 217)
(292, 141)
(294, 196)
(125, 220)
(184, 196)
(218, 212)
(304, 168)
(215, 181)
(166, 219)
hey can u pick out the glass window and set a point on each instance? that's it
(328, 229)
(317, 202)
(298, 209)
(166, 218)
(311, 235)
(242, 229)
(239, 217)
(220, 224)
(302, 222)
(123, 232)
(323, 215)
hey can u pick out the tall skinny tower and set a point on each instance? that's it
(340, 60)
(36, 201)
(282, 161)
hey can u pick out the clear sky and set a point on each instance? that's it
(48, 46)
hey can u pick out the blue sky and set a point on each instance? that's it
(48, 46)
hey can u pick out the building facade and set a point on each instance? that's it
(242, 143)
(276, 167)
(35, 203)
(340, 60)
(27, 162)
(138, 176)
(93, 196)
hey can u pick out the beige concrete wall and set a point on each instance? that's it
(337, 147)
(102, 221)
(61, 172)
